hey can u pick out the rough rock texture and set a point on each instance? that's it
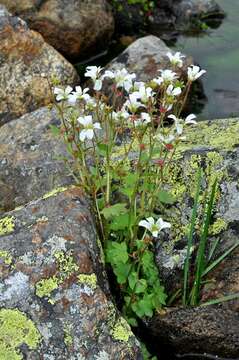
(213, 146)
(76, 28)
(29, 163)
(146, 56)
(27, 64)
(191, 10)
(166, 18)
(54, 298)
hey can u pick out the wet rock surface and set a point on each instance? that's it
(29, 159)
(75, 28)
(27, 64)
(54, 296)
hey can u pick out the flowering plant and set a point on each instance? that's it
(122, 159)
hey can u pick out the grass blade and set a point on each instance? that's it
(220, 300)
(220, 259)
(213, 248)
(190, 237)
(200, 261)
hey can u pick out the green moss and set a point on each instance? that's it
(6, 257)
(218, 226)
(7, 225)
(15, 330)
(88, 279)
(45, 287)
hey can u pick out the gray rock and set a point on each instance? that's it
(145, 57)
(54, 298)
(75, 28)
(29, 159)
(27, 66)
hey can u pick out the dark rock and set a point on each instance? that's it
(54, 295)
(76, 28)
(27, 66)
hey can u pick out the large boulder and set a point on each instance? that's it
(145, 57)
(27, 66)
(54, 295)
(31, 161)
(212, 146)
(76, 28)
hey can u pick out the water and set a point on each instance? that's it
(217, 51)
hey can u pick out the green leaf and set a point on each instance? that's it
(117, 253)
(121, 222)
(165, 197)
(55, 130)
(114, 210)
(159, 296)
(132, 321)
(144, 307)
(121, 270)
(141, 286)
(102, 149)
(133, 277)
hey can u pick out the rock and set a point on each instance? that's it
(145, 57)
(54, 298)
(29, 159)
(213, 146)
(191, 10)
(27, 64)
(76, 28)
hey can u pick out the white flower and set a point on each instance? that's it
(90, 104)
(62, 94)
(120, 115)
(121, 77)
(153, 227)
(89, 126)
(79, 94)
(136, 85)
(133, 104)
(176, 59)
(168, 76)
(171, 91)
(158, 81)
(93, 72)
(143, 120)
(194, 72)
(166, 139)
(144, 94)
(179, 123)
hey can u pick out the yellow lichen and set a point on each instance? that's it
(66, 264)
(88, 279)
(6, 257)
(7, 225)
(45, 287)
(16, 330)
(121, 330)
(68, 339)
(218, 226)
(54, 192)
